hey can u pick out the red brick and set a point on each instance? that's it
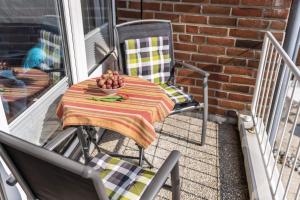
(234, 2)
(185, 38)
(257, 2)
(222, 21)
(129, 14)
(188, 73)
(121, 4)
(220, 41)
(196, 91)
(232, 61)
(244, 33)
(242, 80)
(238, 70)
(216, 110)
(195, 1)
(198, 39)
(210, 67)
(236, 88)
(221, 94)
(238, 52)
(208, 9)
(178, 28)
(213, 31)
(278, 35)
(240, 97)
(253, 23)
(185, 81)
(167, 7)
(167, 16)
(191, 29)
(211, 49)
(146, 5)
(276, 13)
(187, 8)
(252, 44)
(253, 63)
(219, 77)
(182, 56)
(249, 12)
(204, 58)
(279, 25)
(231, 104)
(194, 19)
(148, 15)
(185, 47)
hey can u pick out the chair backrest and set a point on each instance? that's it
(141, 29)
(49, 175)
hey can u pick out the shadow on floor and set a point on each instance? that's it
(212, 171)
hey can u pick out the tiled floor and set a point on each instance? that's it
(213, 171)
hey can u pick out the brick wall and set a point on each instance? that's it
(223, 37)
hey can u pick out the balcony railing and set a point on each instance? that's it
(279, 149)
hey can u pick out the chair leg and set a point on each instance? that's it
(175, 180)
(141, 156)
(205, 111)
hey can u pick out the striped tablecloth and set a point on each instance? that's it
(133, 118)
(31, 83)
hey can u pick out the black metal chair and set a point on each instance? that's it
(46, 175)
(142, 29)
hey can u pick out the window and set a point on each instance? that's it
(31, 52)
(97, 25)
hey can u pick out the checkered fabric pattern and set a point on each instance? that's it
(122, 180)
(149, 58)
(176, 94)
(51, 45)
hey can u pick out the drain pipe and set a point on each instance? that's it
(291, 46)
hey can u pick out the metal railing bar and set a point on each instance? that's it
(284, 130)
(285, 56)
(292, 172)
(298, 193)
(289, 143)
(259, 73)
(276, 132)
(272, 95)
(263, 101)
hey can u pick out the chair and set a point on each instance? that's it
(145, 49)
(46, 175)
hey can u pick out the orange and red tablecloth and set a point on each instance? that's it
(133, 118)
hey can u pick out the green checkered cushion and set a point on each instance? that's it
(122, 180)
(149, 58)
(51, 45)
(176, 94)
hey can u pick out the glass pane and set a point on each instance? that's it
(97, 25)
(31, 52)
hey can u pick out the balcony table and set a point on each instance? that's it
(133, 117)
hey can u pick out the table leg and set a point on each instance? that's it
(84, 144)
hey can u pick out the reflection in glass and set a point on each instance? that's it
(31, 53)
(97, 26)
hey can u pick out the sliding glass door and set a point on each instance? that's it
(33, 65)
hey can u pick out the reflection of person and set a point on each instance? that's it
(9, 80)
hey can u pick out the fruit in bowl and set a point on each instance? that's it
(110, 82)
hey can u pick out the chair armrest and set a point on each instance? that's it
(201, 71)
(62, 136)
(170, 166)
(11, 180)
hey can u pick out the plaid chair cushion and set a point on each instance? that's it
(122, 180)
(148, 58)
(51, 45)
(176, 94)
